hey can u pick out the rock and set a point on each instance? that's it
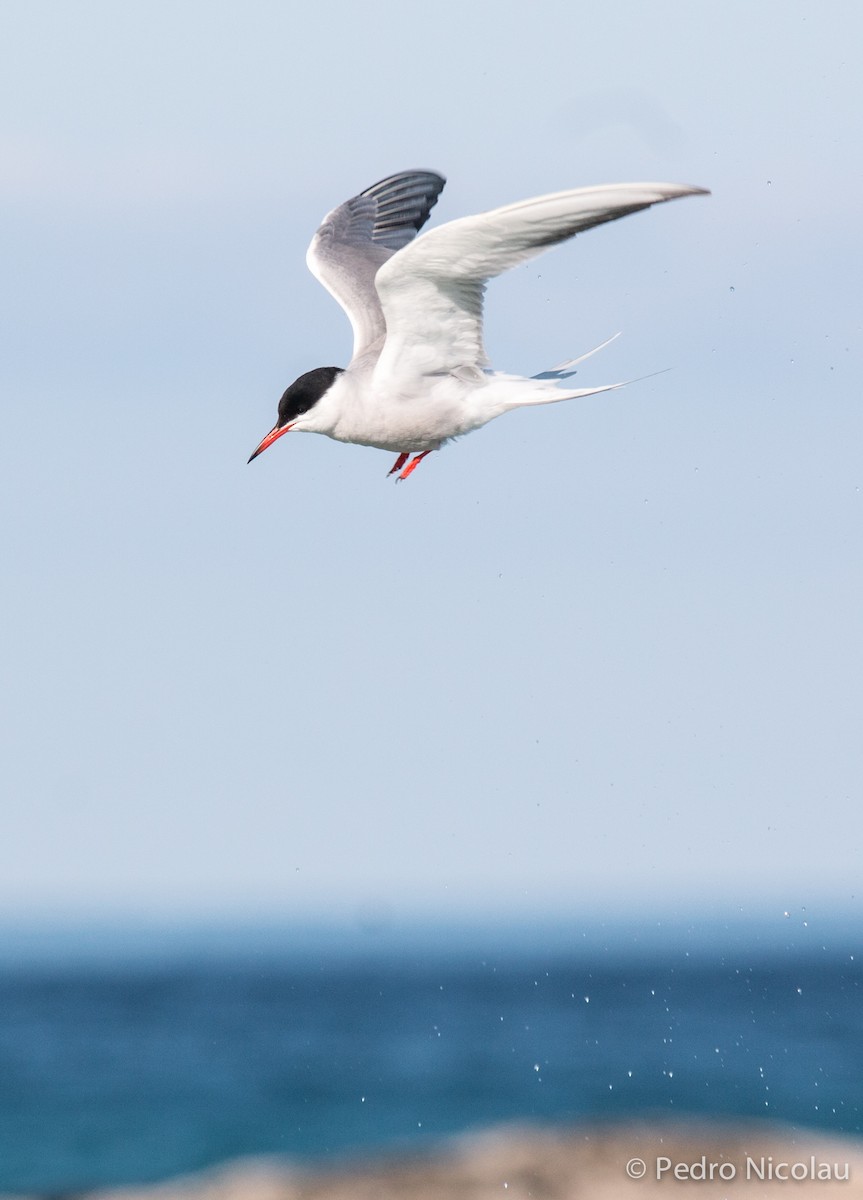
(520, 1162)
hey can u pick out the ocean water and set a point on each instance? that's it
(129, 1067)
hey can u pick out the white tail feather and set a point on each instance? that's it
(507, 392)
(564, 370)
(512, 392)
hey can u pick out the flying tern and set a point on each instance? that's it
(419, 375)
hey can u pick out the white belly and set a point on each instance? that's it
(358, 411)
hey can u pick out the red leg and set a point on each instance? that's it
(413, 464)
(399, 463)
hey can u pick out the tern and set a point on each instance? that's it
(419, 375)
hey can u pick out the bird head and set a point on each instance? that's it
(297, 400)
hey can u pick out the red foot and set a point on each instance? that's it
(412, 465)
(399, 463)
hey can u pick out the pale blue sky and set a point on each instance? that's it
(606, 654)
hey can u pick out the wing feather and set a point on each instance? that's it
(431, 291)
(355, 239)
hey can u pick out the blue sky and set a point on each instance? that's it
(600, 656)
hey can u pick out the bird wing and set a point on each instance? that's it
(431, 291)
(356, 238)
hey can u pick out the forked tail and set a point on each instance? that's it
(515, 391)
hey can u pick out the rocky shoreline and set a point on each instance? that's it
(518, 1162)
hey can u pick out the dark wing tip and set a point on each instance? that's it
(403, 204)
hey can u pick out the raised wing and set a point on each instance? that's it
(356, 238)
(431, 292)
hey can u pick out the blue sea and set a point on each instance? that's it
(129, 1056)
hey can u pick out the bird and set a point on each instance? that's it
(419, 376)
